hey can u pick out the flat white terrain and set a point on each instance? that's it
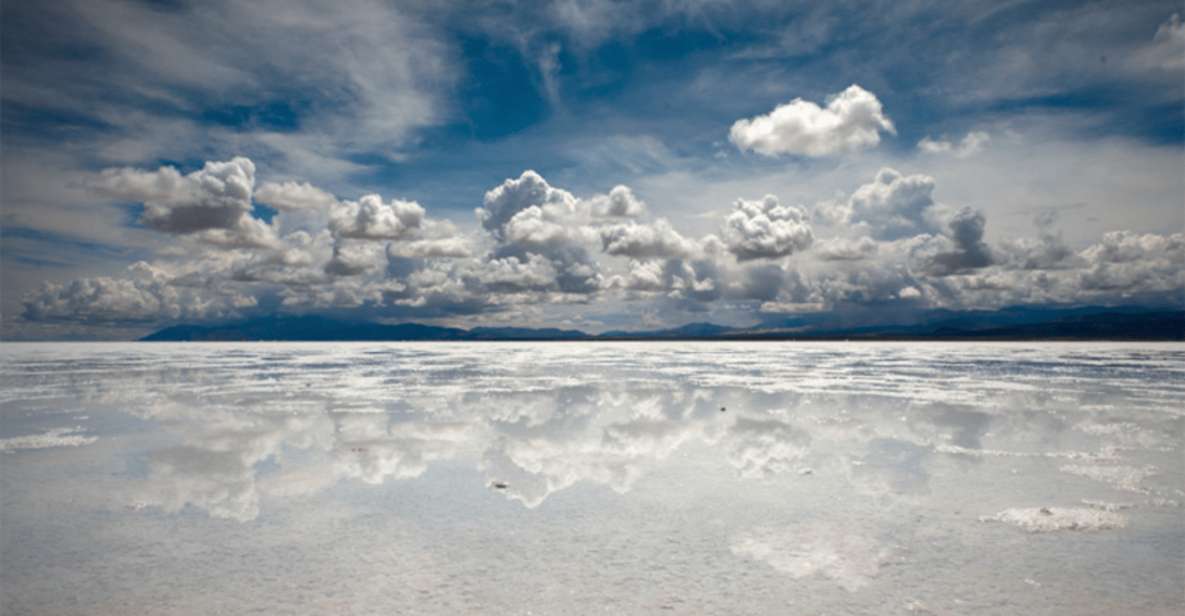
(619, 478)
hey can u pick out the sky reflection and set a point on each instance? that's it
(843, 469)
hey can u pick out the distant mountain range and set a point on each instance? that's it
(1014, 323)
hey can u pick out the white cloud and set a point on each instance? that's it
(1133, 263)
(1168, 45)
(1046, 252)
(972, 143)
(503, 202)
(149, 299)
(294, 196)
(451, 247)
(213, 203)
(844, 249)
(528, 220)
(534, 273)
(646, 241)
(766, 229)
(909, 293)
(851, 121)
(352, 258)
(619, 203)
(893, 205)
(371, 219)
(541, 247)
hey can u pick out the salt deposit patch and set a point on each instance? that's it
(1104, 454)
(1049, 519)
(1125, 433)
(1106, 506)
(1122, 477)
(58, 437)
(850, 560)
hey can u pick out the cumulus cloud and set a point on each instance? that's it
(960, 251)
(294, 196)
(248, 233)
(214, 197)
(619, 203)
(851, 121)
(1122, 267)
(973, 143)
(892, 205)
(766, 229)
(532, 273)
(845, 249)
(103, 299)
(646, 241)
(1133, 263)
(690, 282)
(449, 247)
(214, 201)
(1048, 251)
(503, 202)
(538, 229)
(355, 258)
(528, 218)
(531, 237)
(539, 246)
(371, 219)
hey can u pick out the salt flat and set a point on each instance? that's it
(558, 478)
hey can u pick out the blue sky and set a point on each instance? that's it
(174, 161)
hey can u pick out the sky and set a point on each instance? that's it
(594, 165)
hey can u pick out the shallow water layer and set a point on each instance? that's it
(561, 478)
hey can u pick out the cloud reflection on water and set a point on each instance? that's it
(858, 450)
(276, 422)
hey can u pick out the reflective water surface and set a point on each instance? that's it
(560, 478)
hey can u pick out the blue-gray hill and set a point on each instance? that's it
(1014, 323)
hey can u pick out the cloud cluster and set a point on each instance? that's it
(371, 219)
(647, 241)
(851, 121)
(148, 297)
(893, 205)
(1047, 251)
(766, 229)
(294, 196)
(166, 85)
(961, 250)
(213, 202)
(539, 247)
(619, 203)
